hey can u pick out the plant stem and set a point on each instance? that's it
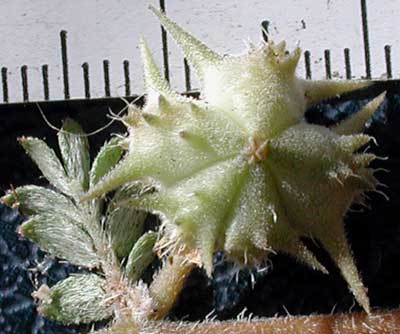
(355, 323)
(168, 283)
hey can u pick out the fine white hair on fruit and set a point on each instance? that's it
(240, 170)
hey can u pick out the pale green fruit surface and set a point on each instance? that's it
(240, 170)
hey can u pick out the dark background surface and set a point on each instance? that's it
(287, 287)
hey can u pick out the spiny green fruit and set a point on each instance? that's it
(240, 170)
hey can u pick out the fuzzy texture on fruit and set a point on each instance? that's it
(240, 170)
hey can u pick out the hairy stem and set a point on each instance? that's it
(354, 323)
(168, 283)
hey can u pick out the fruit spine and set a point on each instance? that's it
(240, 170)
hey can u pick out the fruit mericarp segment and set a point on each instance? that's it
(240, 170)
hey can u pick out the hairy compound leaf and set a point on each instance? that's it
(107, 158)
(62, 238)
(141, 255)
(49, 164)
(79, 299)
(71, 181)
(74, 149)
(33, 200)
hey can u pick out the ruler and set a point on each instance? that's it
(23, 81)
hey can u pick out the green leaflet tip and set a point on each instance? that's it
(9, 199)
(78, 299)
(26, 229)
(70, 125)
(49, 164)
(23, 140)
(74, 149)
(107, 157)
(141, 256)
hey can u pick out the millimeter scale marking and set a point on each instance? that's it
(24, 70)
